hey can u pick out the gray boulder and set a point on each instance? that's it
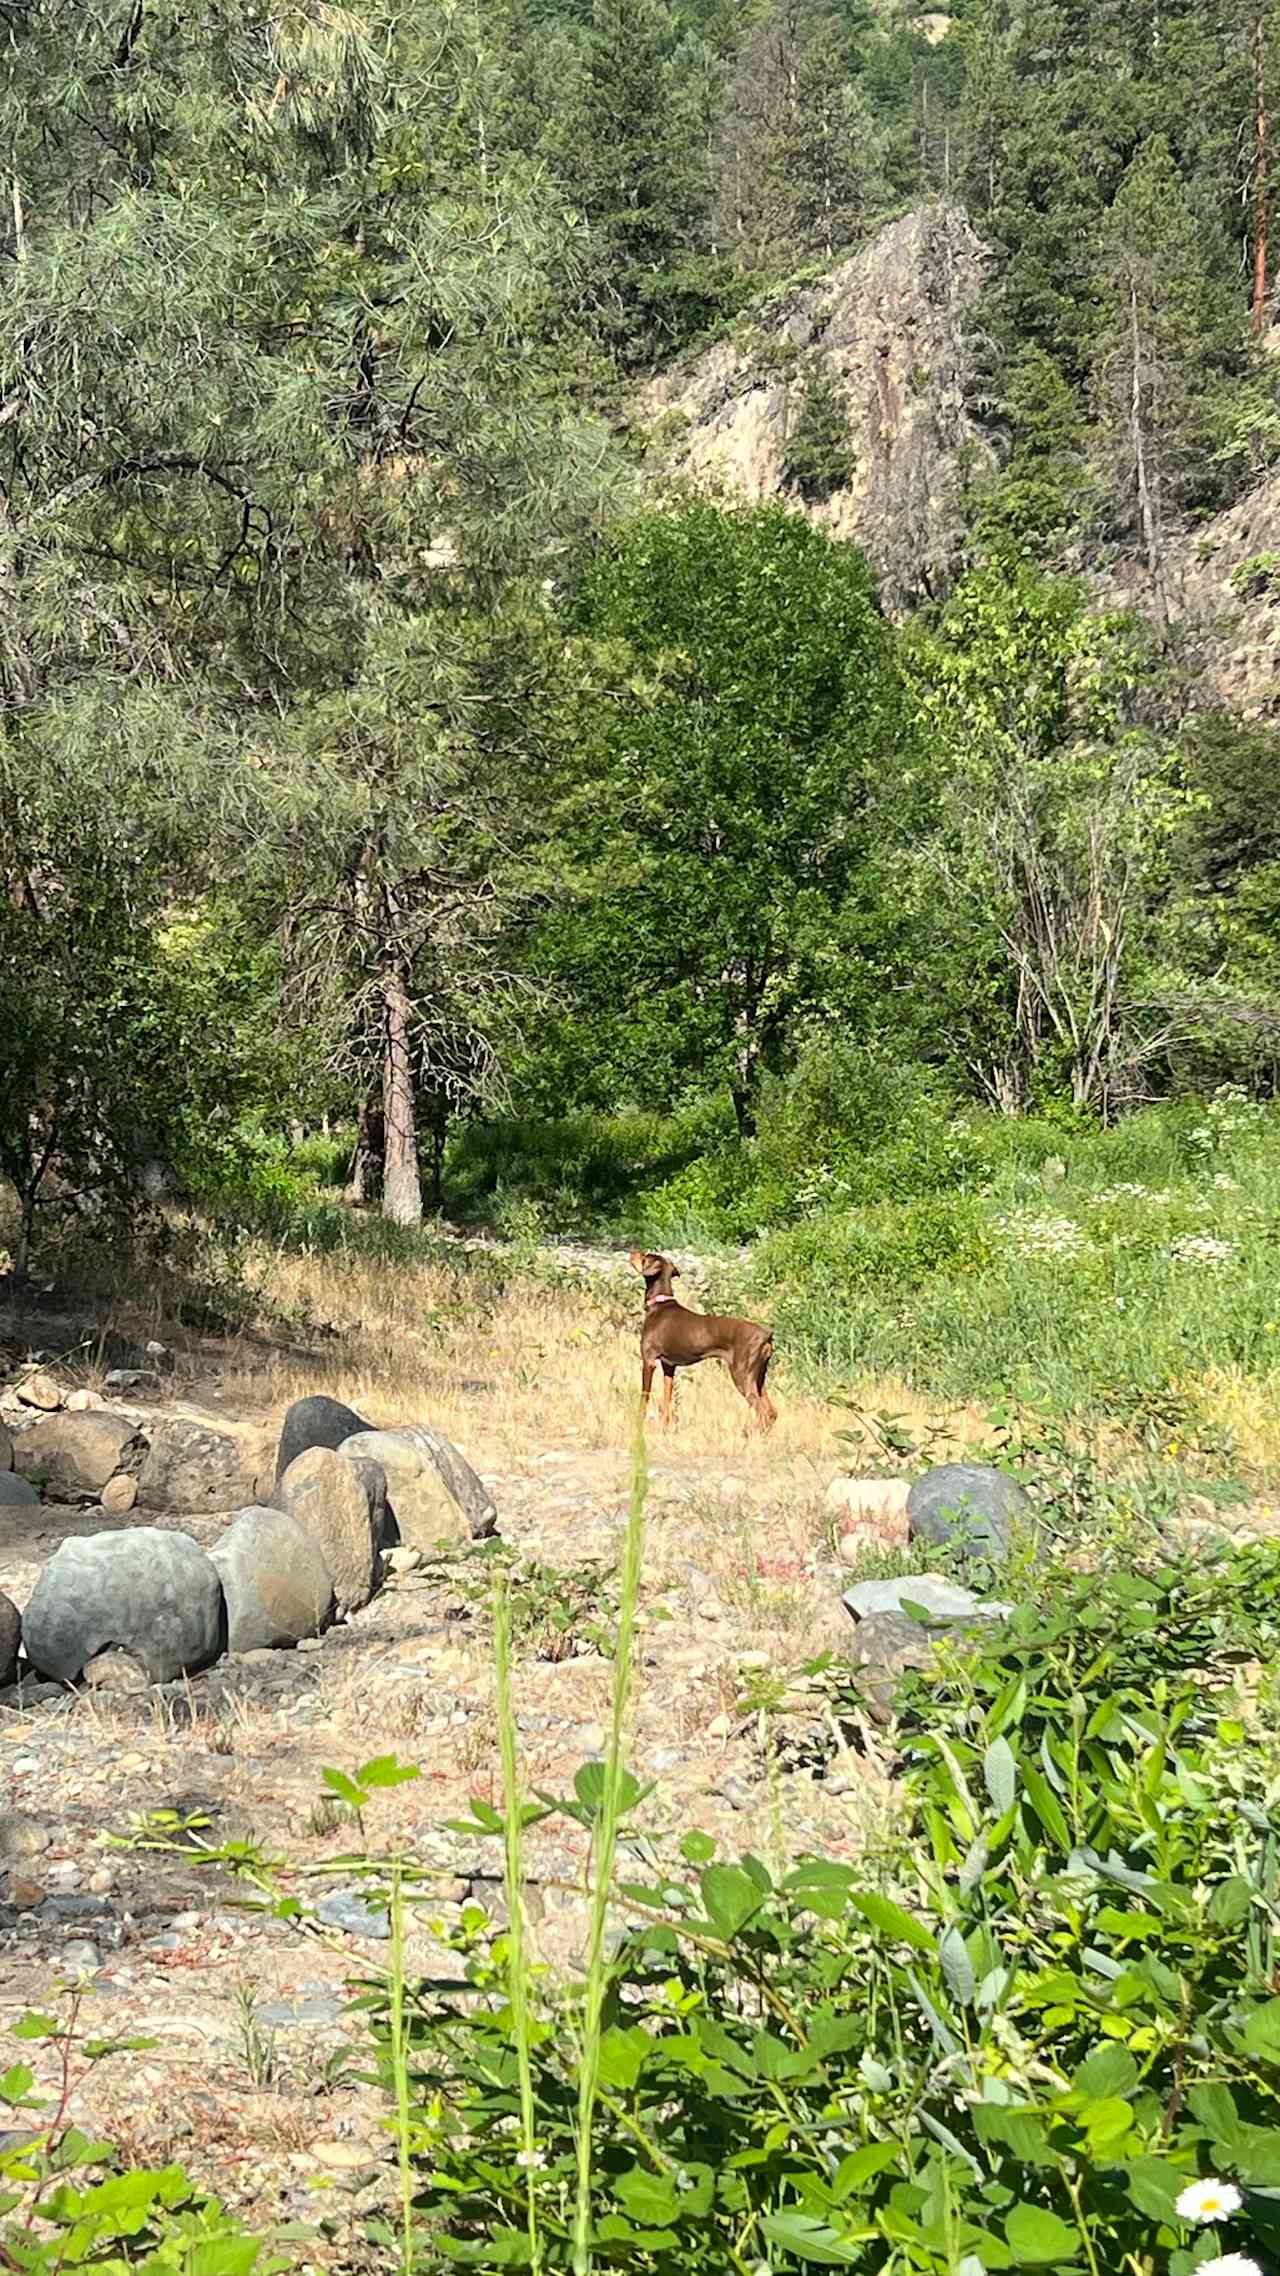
(191, 1468)
(76, 1453)
(154, 1595)
(317, 1421)
(939, 1600)
(275, 1579)
(429, 1484)
(16, 1492)
(971, 1507)
(10, 1639)
(334, 1500)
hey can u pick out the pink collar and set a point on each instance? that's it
(650, 1301)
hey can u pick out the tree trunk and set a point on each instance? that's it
(366, 1162)
(744, 1110)
(401, 1182)
(1148, 507)
(1261, 202)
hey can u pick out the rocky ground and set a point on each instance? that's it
(250, 2079)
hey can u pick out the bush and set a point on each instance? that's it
(1013, 2041)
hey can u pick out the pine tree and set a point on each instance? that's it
(1152, 355)
(285, 453)
(799, 164)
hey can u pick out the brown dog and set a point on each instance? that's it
(672, 1337)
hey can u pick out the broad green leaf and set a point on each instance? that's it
(622, 2055)
(1038, 2239)
(1261, 2034)
(1000, 1775)
(892, 1920)
(957, 1967)
(730, 1897)
(812, 2239)
(1154, 2185)
(1110, 2070)
(1231, 1902)
(385, 1770)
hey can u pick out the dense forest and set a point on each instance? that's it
(386, 745)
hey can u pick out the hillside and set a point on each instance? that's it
(893, 330)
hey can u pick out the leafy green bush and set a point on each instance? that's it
(1017, 2040)
(67, 2203)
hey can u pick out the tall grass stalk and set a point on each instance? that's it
(604, 1848)
(517, 1940)
(399, 2050)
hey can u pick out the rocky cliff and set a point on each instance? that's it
(1223, 584)
(893, 332)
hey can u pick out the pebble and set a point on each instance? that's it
(80, 1957)
(119, 1494)
(345, 2157)
(80, 1403)
(22, 1836)
(101, 1880)
(735, 1794)
(720, 1727)
(41, 1391)
(24, 1895)
(348, 1911)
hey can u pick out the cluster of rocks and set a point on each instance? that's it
(977, 1512)
(149, 1603)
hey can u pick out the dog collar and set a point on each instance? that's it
(652, 1300)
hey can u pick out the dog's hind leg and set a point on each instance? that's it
(646, 1386)
(668, 1392)
(766, 1412)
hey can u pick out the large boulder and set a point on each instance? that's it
(334, 1500)
(429, 1484)
(191, 1468)
(275, 1579)
(317, 1421)
(76, 1453)
(10, 1638)
(373, 1479)
(154, 1595)
(970, 1507)
(16, 1492)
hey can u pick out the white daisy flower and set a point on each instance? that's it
(1208, 2201)
(1229, 2264)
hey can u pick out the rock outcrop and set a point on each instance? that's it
(894, 328)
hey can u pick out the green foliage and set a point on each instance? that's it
(726, 834)
(67, 2202)
(819, 456)
(1009, 2043)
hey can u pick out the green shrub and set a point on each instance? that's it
(1013, 2041)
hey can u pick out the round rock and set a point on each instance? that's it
(275, 1579)
(16, 1492)
(432, 1490)
(76, 1453)
(333, 1500)
(317, 1421)
(970, 1507)
(189, 1467)
(119, 1494)
(154, 1595)
(10, 1638)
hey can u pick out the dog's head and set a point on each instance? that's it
(655, 1271)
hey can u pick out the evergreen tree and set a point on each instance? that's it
(1155, 347)
(640, 168)
(284, 446)
(798, 166)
